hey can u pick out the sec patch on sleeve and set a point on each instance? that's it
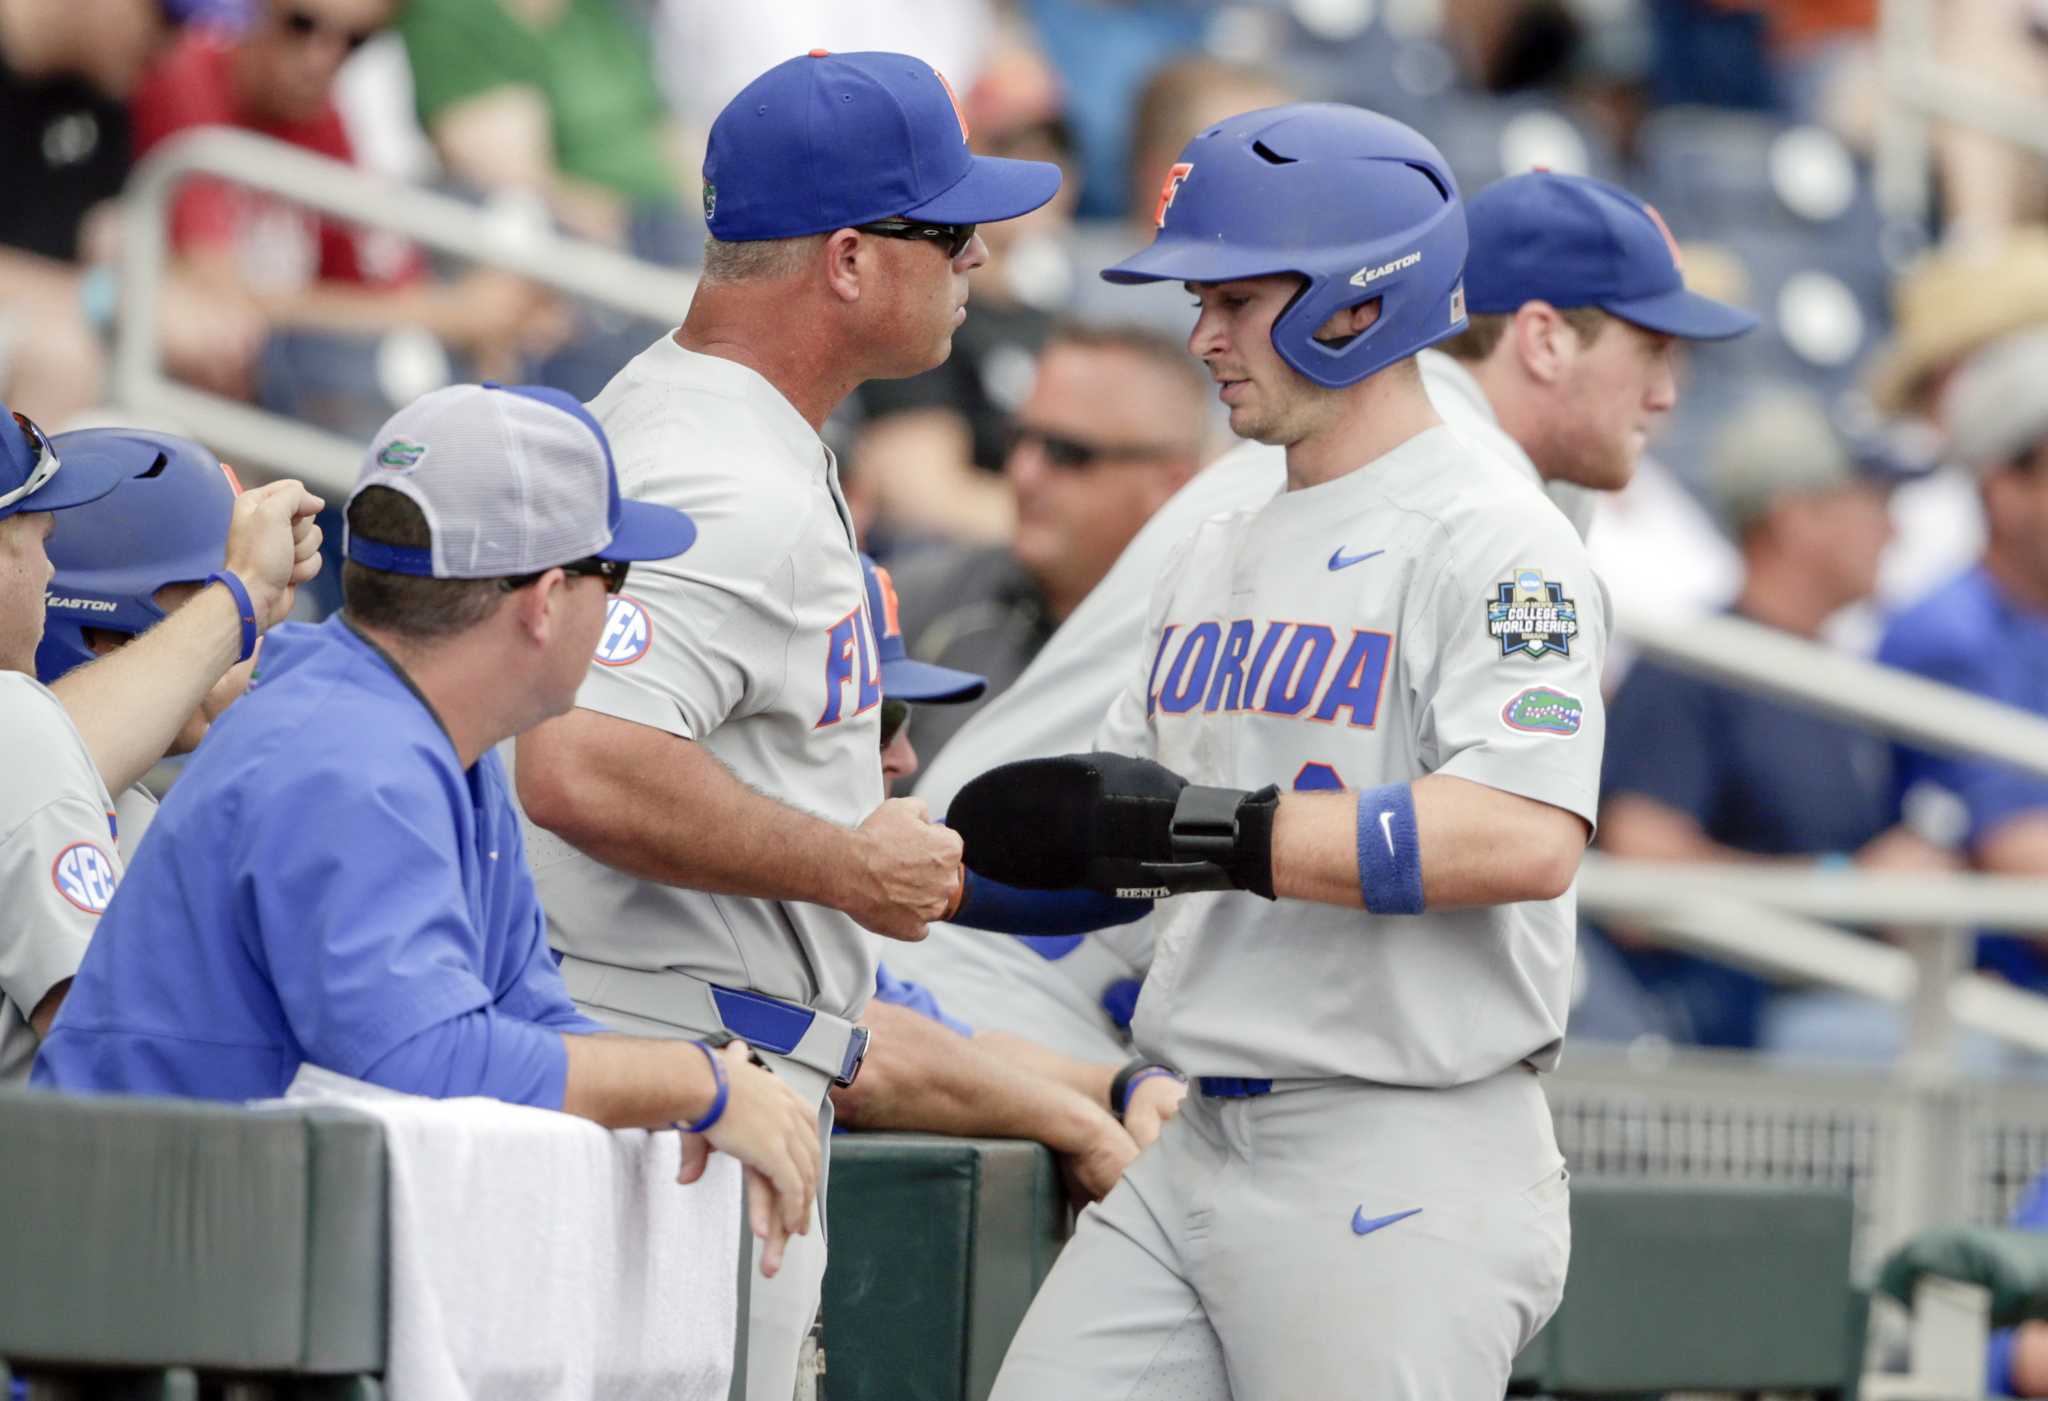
(84, 874)
(1529, 614)
(1539, 710)
(628, 633)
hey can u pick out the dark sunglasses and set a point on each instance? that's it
(302, 25)
(953, 237)
(612, 571)
(1074, 454)
(895, 714)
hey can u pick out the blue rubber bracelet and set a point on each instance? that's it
(711, 1115)
(1389, 856)
(243, 608)
(1150, 1072)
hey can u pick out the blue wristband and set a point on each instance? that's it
(1150, 1072)
(244, 608)
(718, 1098)
(1389, 857)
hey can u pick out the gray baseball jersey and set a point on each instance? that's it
(757, 645)
(58, 859)
(1057, 704)
(1429, 613)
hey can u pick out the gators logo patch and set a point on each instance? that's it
(401, 455)
(1541, 711)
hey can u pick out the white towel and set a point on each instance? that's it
(538, 1257)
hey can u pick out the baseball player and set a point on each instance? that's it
(101, 728)
(712, 842)
(1382, 689)
(127, 561)
(1576, 298)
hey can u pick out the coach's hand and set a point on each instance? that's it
(1151, 1102)
(774, 1134)
(1126, 827)
(1095, 1166)
(274, 546)
(908, 870)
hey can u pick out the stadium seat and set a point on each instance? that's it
(938, 1245)
(1485, 138)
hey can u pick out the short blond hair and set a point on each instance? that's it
(1483, 330)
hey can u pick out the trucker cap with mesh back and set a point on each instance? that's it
(511, 480)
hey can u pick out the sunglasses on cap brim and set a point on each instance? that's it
(46, 463)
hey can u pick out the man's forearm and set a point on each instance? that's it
(630, 1082)
(925, 1077)
(1478, 846)
(1087, 1078)
(662, 808)
(129, 706)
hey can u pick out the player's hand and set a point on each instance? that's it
(908, 873)
(274, 546)
(1097, 1165)
(774, 1134)
(1155, 1100)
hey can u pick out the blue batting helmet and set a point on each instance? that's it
(1358, 204)
(166, 523)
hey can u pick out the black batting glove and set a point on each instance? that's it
(1126, 827)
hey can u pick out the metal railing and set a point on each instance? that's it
(1769, 918)
(1921, 90)
(499, 237)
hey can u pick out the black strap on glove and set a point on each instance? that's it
(1125, 827)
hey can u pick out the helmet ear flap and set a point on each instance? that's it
(1342, 340)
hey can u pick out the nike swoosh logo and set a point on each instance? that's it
(1338, 560)
(1387, 830)
(1362, 1227)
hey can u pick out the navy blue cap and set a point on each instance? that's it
(902, 678)
(831, 141)
(34, 478)
(1574, 241)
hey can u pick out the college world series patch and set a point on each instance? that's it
(1530, 614)
(1542, 711)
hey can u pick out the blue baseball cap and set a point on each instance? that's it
(33, 477)
(832, 141)
(1573, 241)
(512, 480)
(902, 678)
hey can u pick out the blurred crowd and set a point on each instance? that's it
(1870, 468)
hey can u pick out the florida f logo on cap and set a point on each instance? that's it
(1179, 171)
